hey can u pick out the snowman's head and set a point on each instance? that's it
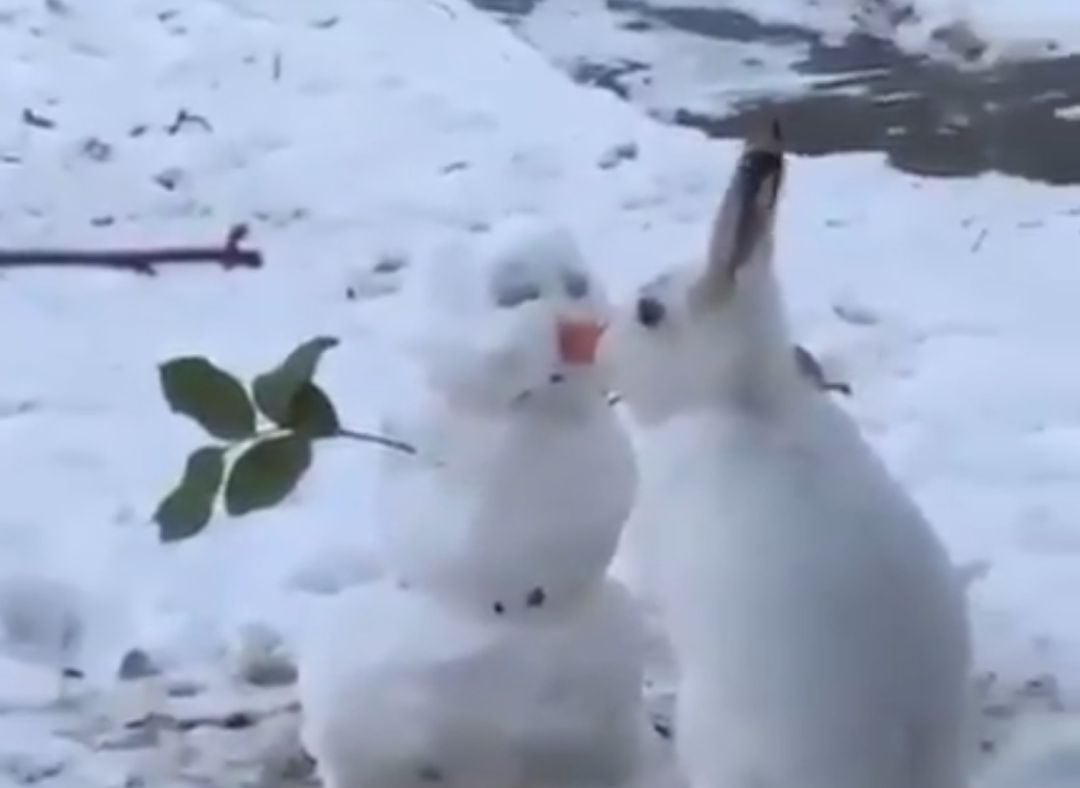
(534, 343)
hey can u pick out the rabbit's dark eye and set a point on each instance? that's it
(575, 283)
(650, 312)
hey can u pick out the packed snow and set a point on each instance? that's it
(350, 134)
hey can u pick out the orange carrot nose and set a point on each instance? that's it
(578, 340)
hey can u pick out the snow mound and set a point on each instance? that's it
(450, 698)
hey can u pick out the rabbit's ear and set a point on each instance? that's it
(746, 213)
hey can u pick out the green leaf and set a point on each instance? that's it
(212, 397)
(312, 413)
(187, 509)
(275, 390)
(266, 473)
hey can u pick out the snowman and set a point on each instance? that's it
(496, 653)
(524, 478)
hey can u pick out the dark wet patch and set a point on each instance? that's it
(930, 119)
(608, 75)
(507, 6)
(927, 116)
(725, 23)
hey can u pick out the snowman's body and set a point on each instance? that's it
(428, 694)
(524, 476)
(495, 654)
(820, 641)
(538, 504)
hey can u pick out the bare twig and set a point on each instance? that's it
(379, 440)
(140, 261)
(184, 119)
(236, 720)
(341, 432)
(444, 8)
(32, 118)
(975, 247)
(18, 408)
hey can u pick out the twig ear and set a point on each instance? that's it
(746, 213)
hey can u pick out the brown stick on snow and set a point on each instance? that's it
(141, 261)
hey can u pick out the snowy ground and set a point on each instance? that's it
(345, 131)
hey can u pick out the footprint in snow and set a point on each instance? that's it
(382, 279)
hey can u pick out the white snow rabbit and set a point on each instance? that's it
(820, 632)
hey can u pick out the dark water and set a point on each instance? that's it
(927, 116)
(507, 6)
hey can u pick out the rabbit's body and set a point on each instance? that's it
(818, 626)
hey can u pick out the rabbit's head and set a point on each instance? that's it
(715, 333)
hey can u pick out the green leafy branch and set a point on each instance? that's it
(269, 462)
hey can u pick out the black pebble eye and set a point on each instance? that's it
(510, 294)
(650, 312)
(576, 284)
(535, 598)
(430, 774)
